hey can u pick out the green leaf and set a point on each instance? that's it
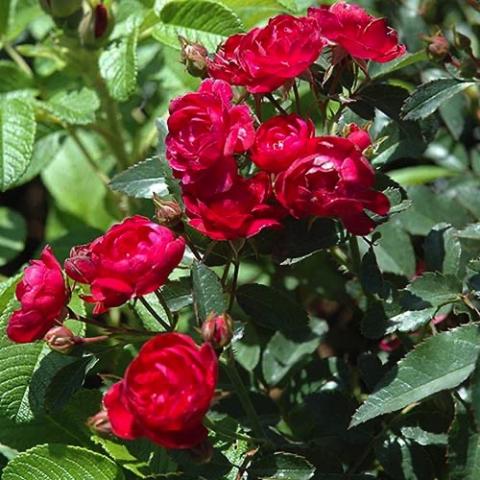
(430, 96)
(18, 361)
(200, 21)
(57, 378)
(436, 289)
(148, 320)
(441, 362)
(13, 232)
(55, 462)
(74, 108)
(377, 70)
(420, 174)
(142, 180)
(12, 78)
(410, 320)
(251, 12)
(17, 134)
(118, 67)
(463, 447)
(424, 438)
(302, 238)
(403, 459)
(271, 308)
(74, 185)
(443, 250)
(207, 291)
(282, 353)
(281, 465)
(394, 250)
(7, 8)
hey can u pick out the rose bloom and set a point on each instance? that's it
(165, 393)
(204, 128)
(43, 296)
(334, 181)
(132, 259)
(281, 140)
(241, 212)
(358, 33)
(266, 58)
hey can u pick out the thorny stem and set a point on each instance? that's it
(243, 395)
(152, 311)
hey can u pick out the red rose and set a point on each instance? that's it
(43, 295)
(335, 181)
(204, 128)
(361, 35)
(265, 58)
(241, 212)
(280, 141)
(165, 393)
(132, 259)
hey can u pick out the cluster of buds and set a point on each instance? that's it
(218, 330)
(92, 25)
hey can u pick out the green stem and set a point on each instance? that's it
(18, 59)
(276, 104)
(236, 271)
(165, 306)
(152, 311)
(243, 395)
(355, 254)
(298, 104)
(75, 137)
(115, 138)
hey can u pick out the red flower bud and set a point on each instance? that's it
(438, 46)
(168, 212)
(96, 26)
(100, 423)
(60, 338)
(194, 57)
(218, 330)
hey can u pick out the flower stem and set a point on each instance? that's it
(236, 271)
(154, 314)
(243, 394)
(355, 254)
(276, 104)
(298, 104)
(163, 303)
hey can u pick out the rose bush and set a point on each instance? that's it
(257, 231)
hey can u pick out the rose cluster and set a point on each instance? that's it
(239, 175)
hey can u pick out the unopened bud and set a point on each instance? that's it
(202, 453)
(438, 46)
(100, 423)
(194, 57)
(168, 212)
(61, 8)
(96, 26)
(218, 330)
(60, 339)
